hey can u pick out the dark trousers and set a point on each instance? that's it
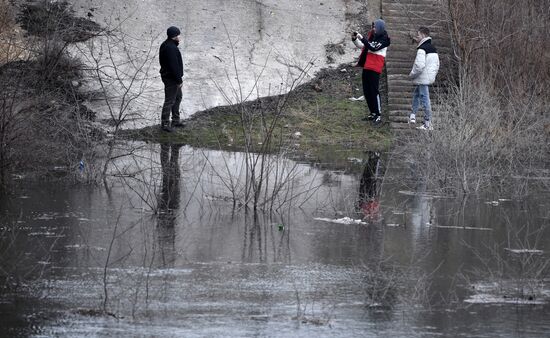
(172, 100)
(370, 90)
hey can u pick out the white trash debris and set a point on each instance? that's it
(525, 251)
(344, 220)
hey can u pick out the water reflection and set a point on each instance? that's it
(168, 202)
(216, 267)
(266, 238)
(369, 191)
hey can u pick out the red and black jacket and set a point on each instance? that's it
(373, 54)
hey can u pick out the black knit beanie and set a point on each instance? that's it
(172, 32)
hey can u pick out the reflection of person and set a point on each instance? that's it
(171, 73)
(368, 192)
(170, 193)
(169, 199)
(423, 73)
(372, 59)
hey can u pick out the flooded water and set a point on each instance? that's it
(361, 249)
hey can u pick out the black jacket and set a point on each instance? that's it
(374, 43)
(171, 64)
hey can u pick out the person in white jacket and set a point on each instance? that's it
(423, 73)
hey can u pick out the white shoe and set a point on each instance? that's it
(412, 119)
(426, 126)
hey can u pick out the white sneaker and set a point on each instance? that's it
(426, 126)
(412, 119)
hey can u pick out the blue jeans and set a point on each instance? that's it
(421, 94)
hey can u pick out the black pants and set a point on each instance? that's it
(172, 100)
(371, 80)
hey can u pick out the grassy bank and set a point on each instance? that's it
(319, 122)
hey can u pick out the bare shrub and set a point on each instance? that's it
(387, 284)
(492, 123)
(268, 173)
(42, 121)
(512, 271)
(504, 43)
(478, 143)
(507, 39)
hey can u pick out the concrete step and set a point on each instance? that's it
(404, 94)
(391, 64)
(408, 49)
(400, 4)
(393, 27)
(399, 69)
(402, 56)
(404, 129)
(419, 12)
(400, 107)
(394, 99)
(408, 2)
(399, 48)
(434, 25)
(403, 91)
(399, 116)
(400, 93)
(400, 112)
(399, 119)
(400, 86)
(397, 76)
(406, 18)
(418, 9)
(405, 38)
(396, 82)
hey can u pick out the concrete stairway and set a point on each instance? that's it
(403, 17)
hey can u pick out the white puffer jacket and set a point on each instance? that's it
(426, 63)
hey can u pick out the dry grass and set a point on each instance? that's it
(479, 143)
(493, 124)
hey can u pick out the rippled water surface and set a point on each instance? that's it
(341, 251)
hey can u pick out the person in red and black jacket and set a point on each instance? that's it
(372, 59)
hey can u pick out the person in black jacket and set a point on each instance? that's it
(171, 72)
